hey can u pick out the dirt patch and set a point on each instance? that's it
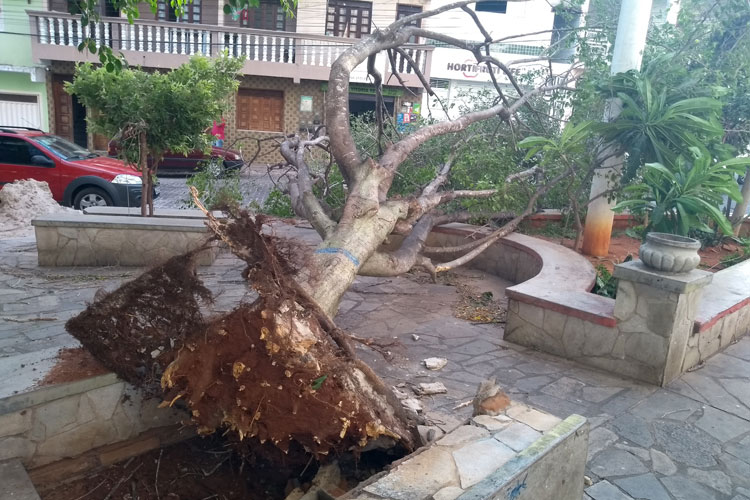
(73, 364)
(622, 245)
(212, 469)
(196, 469)
(475, 303)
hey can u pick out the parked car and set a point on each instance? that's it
(180, 163)
(76, 176)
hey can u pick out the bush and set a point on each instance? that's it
(217, 187)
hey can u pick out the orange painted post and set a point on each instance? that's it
(632, 28)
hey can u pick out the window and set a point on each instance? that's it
(496, 7)
(261, 110)
(267, 16)
(348, 19)
(17, 151)
(110, 10)
(190, 14)
(408, 10)
(63, 148)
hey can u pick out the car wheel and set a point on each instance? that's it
(91, 197)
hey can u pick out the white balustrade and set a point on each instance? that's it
(96, 35)
(69, 31)
(43, 31)
(78, 31)
(131, 37)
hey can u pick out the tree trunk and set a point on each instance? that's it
(145, 176)
(738, 216)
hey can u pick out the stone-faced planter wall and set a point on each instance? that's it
(522, 454)
(660, 325)
(103, 240)
(57, 422)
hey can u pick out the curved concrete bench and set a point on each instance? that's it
(545, 274)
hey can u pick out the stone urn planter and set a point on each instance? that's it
(670, 253)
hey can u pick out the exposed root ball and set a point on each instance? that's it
(135, 330)
(268, 371)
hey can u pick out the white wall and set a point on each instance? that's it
(520, 18)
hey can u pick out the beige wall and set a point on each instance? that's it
(293, 117)
(311, 14)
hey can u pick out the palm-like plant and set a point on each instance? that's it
(659, 122)
(685, 195)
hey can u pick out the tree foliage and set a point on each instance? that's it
(151, 112)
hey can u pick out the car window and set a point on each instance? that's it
(17, 151)
(63, 148)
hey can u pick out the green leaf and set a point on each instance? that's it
(318, 382)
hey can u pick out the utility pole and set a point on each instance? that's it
(628, 53)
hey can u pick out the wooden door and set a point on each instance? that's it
(261, 110)
(63, 109)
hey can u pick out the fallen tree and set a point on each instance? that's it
(279, 370)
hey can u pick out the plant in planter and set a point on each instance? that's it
(684, 195)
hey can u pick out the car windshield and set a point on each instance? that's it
(64, 148)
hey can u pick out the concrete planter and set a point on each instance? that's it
(670, 253)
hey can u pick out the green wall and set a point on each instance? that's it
(21, 83)
(15, 50)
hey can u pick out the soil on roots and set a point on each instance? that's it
(133, 330)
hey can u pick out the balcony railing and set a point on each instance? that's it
(55, 36)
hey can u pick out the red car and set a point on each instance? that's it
(180, 163)
(76, 176)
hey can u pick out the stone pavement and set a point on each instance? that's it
(688, 441)
(254, 185)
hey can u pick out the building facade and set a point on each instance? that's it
(23, 93)
(287, 59)
(528, 30)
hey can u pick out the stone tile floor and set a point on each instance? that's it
(688, 441)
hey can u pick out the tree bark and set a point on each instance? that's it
(145, 177)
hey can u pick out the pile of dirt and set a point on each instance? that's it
(22, 201)
(73, 364)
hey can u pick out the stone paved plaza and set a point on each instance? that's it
(687, 441)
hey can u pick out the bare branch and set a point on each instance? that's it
(508, 228)
(523, 174)
(303, 199)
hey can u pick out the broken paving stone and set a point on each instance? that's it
(463, 434)
(478, 460)
(412, 404)
(448, 493)
(429, 433)
(434, 363)
(399, 393)
(518, 436)
(492, 423)
(429, 388)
